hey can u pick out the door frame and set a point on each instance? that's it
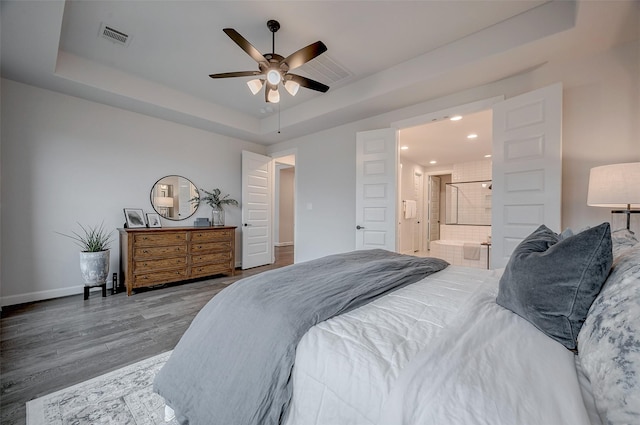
(464, 109)
(279, 154)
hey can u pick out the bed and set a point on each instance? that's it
(457, 346)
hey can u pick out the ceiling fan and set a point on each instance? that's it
(273, 68)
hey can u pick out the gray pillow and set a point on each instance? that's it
(552, 282)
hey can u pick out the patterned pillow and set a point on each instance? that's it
(609, 342)
(622, 239)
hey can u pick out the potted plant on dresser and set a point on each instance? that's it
(94, 257)
(216, 201)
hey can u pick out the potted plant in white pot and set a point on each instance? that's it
(216, 202)
(94, 257)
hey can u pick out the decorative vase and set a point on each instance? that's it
(94, 267)
(217, 216)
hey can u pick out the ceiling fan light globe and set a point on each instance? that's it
(292, 87)
(274, 96)
(273, 77)
(255, 85)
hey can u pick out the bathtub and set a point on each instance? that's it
(452, 251)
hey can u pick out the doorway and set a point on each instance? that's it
(441, 149)
(284, 202)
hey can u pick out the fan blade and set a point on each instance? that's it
(236, 74)
(304, 55)
(245, 45)
(307, 82)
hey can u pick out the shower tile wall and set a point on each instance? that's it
(471, 171)
(475, 207)
(452, 232)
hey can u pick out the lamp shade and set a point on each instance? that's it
(274, 96)
(292, 87)
(615, 186)
(255, 85)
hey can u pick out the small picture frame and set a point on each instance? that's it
(153, 220)
(134, 218)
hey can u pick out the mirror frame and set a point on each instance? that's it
(163, 210)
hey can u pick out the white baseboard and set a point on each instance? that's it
(283, 243)
(43, 295)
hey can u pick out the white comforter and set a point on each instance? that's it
(437, 352)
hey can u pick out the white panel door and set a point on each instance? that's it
(527, 168)
(434, 210)
(257, 204)
(376, 185)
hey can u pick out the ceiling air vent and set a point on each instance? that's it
(114, 35)
(325, 69)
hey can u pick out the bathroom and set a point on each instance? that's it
(445, 202)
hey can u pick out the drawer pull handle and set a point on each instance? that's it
(144, 238)
(146, 251)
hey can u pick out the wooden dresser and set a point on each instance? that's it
(161, 255)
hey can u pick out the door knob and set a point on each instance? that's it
(247, 224)
(359, 227)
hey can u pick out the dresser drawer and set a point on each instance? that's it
(151, 257)
(211, 235)
(210, 269)
(218, 257)
(210, 246)
(162, 263)
(156, 239)
(159, 251)
(155, 278)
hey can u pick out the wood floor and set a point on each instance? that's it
(49, 345)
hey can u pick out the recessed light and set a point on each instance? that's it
(433, 162)
(456, 118)
(488, 156)
(472, 136)
(404, 148)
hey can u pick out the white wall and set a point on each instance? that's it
(601, 124)
(67, 160)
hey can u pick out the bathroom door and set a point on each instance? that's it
(527, 168)
(434, 210)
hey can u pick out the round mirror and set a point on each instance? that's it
(172, 196)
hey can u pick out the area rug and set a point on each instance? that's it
(124, 396)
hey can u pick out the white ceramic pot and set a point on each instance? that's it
(94, 267)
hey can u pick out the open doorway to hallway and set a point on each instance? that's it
(284, 205)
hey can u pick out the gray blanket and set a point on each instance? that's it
(233, 365)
